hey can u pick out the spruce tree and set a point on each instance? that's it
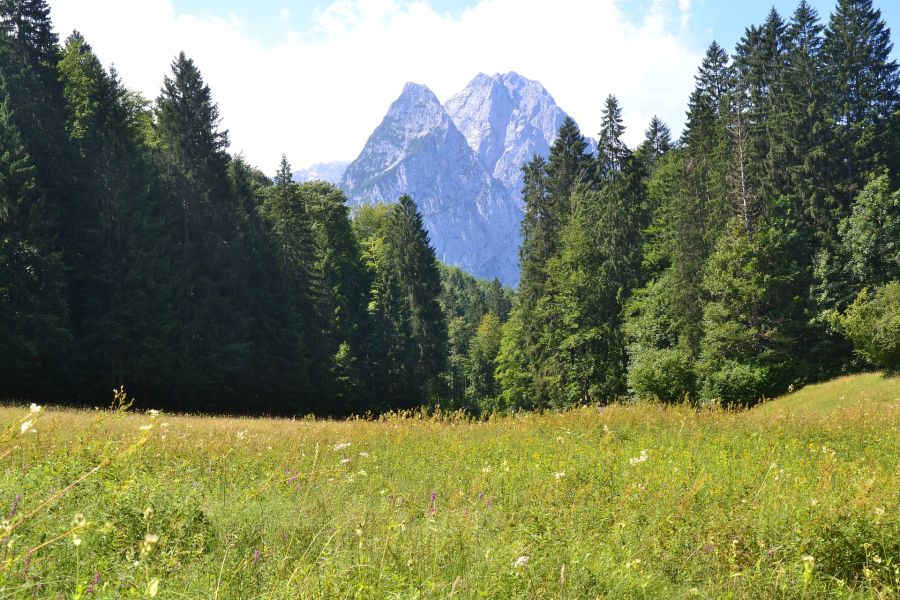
(34, 333)
(411, 350)
(193, 163)
(119, 291)
(862, 85)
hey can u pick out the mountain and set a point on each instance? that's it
(330, 172)
(461, 162)
(506, 120)
(472, 220)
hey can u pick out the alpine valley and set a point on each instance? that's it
(461, 162)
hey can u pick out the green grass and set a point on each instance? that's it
(797, 498)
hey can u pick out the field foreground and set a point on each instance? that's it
(796, 498)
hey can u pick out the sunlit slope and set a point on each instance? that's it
(841, 393)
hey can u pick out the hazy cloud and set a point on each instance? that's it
(318, 93)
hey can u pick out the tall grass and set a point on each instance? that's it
(646, 501)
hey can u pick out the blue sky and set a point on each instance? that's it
(313, 78)
(722, 20)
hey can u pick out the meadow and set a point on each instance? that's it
(797, 498)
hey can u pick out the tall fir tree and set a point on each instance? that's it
(411, 327)
(34, 332)
(193, 165)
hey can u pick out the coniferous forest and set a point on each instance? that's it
(758, 251)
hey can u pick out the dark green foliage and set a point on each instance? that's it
(409, 349)
(872, 323)
(33, 312)
(120, 292)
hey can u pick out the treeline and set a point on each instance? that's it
(755, 253)
(719, 267)
(135, 251)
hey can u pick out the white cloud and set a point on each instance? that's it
(318, 94)
(286, 14)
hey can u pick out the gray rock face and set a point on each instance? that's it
(330, 172)
(461, 163)
(506, 119)
(417, 150)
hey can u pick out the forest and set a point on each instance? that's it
(757, 252)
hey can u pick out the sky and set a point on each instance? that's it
(313, 78)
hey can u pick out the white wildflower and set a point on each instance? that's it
(27, 427)
(35, 408)
(153, 413)
(341, 446)
(364, 454)
(638, 460)
(485, 470)
(559, 475)
(78, 520)
(521, 562)
(146, 427)
(76, 540)
(153, 587)
(241, 434)
(344, 461)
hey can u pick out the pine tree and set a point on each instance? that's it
(591, 279)
(657, 142)
(121, 320)
(34, 333)
(411, 348)
(193, 164)
(343, 291)
(295, 249)
(862, 83)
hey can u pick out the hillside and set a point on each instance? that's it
(796, 498)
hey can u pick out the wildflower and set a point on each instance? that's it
(344, 461)
(153, 413)
(148, 512)
(559, 475)
(15, 506)
(521, 562)
(364, 454)
(146, 427)
(78, 520)
(639, 459)
(240, 434)
(148, 543)
(35, 408)
(94, 583)
(341, 446)
(153, 587)
(808, 559)
(76, 540)
(27, 427)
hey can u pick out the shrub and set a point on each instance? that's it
(665, 374)
(873, 325)
(736, 383)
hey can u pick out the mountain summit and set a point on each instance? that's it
(461, 163)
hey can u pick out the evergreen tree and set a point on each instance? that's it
(33, 313)
(547, 190)
(862, 86)
(411, 328)
(119, 291)
(295, 249)
(657, 142)
(343, 291)
(193, 165)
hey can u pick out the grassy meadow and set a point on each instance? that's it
(797, 498)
